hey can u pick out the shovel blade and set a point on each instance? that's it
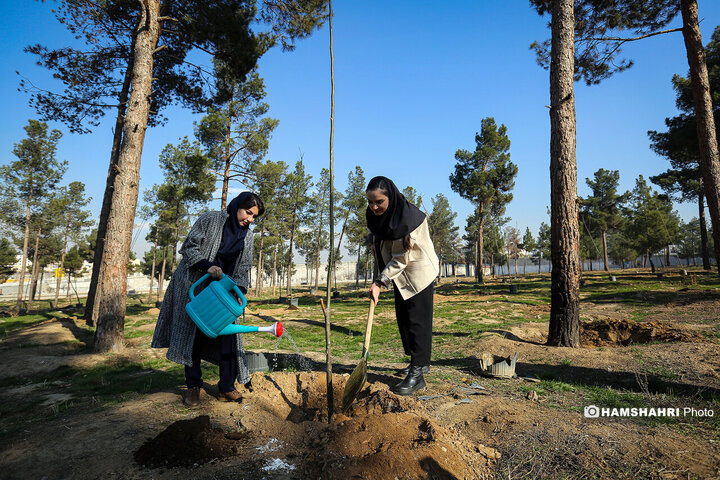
(354, 384)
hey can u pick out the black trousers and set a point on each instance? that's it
(414, 318)
(227, 364)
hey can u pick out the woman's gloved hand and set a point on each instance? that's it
(215, 272)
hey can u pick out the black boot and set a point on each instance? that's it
(412, 383)
(406, 370)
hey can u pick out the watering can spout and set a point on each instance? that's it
(276, 329)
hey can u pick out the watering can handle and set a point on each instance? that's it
(205, 277)
(197, 284)
(241, 297)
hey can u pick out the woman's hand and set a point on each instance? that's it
(375, 292)
(215, 272)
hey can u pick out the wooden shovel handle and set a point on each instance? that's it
(368, 328)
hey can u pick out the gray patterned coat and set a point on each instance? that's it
(175, 330)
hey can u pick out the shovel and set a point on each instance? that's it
(357, 378)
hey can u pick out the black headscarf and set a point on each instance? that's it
(399, 219)
(233, 236)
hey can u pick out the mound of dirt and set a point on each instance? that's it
(382, 435)
(186, 443)
(614, 333)
(398, 445)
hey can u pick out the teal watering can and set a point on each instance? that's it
(215, 309)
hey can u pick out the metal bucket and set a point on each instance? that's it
(497, 366)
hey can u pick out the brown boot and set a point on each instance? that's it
(192, 397)
(231, 396)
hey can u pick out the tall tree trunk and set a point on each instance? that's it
(337, 250)
(33, 275)
(667, 255)
(260, 266)
(109, 334)
(367, 268)
(226, 174)
(707, 139)
(357, 269)
(480, 254)
(152, 270)
(652, 264)
(539, 263)
(317, 270)
(475, 244)
(69, 276)
(564, 329)
(290, 262)
(317, 257)
(62, 265)
(23, 263)
(605, 251)
(40, 283)
(33, 284)
(704, 245)
(92, 303)
(274, 277)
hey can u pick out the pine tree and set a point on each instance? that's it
(237, 134)
(297, 186)
(544, 245)
(8, 258)
(412, 196)
(154, 52)
(69, 209)
(356, 203)
(317, 220)
(598, 31)
(189, 184)
(652, 222)
(485, 177)
(684, 181)
(528, 244)
(28, 181)
(565, 235)
(603, 208)
(269, 185)
(689, 240)
(443, 231)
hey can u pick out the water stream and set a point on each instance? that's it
(302, 362)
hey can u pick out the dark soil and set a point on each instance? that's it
(615, 333)
(186, 443)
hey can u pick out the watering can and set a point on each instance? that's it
(215, 309)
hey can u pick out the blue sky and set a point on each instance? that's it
(413, 81)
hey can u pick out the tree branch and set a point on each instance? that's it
(623, 40)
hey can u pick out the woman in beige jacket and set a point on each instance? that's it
(405, 256)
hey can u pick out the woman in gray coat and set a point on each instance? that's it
(218, 242)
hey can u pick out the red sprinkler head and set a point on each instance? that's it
(278, 329)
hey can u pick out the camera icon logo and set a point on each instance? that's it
(591, 411)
